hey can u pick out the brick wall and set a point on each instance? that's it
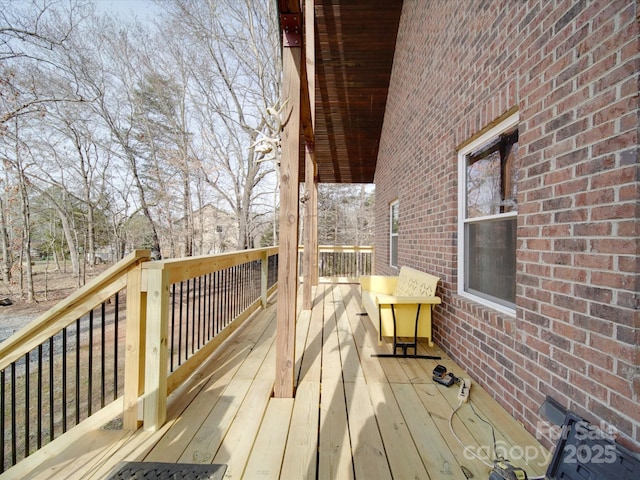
(571, 69)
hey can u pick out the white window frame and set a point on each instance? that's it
(483, 139)
(392, 205)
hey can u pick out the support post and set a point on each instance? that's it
(310, 254)
(289, 218)
(155, 377)
(134, 348)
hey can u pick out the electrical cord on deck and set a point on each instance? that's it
(453, 412)
(541, 477)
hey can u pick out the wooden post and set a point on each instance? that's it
(288, 251)
(310, 255)
(155, 378)
(134, 349)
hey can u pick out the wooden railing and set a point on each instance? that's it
(66, 365)
(344, 263)
(243, 282)
(72, 368)
(121, 344)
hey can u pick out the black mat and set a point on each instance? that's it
(167, 471)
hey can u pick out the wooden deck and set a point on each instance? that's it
(354, 416)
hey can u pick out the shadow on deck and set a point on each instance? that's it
(354, 415)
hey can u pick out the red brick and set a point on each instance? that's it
(595, 197)
(554, 312)
(613, 280)
(589, 229)
(613, 212)
(594, 261)
(576, 90)
(615, 177)
(596, 357)
(620, 246)
(613, 382)
(611, 347)
(570, 274)
(586, 384)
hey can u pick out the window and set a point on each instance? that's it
(393, 233)
(488, 208)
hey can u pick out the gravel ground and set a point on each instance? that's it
(58, 285)
(9, 324)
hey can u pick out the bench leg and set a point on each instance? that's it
(403, 345)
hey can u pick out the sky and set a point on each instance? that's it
(142, 9)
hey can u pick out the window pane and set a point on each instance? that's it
(483, 186)
(394, 218)
(492, 178)
(490, 269)
(394, 250)
(393, 234)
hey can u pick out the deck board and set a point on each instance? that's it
(300, 459)
(354, 415)
(369, 456)
(265, 461)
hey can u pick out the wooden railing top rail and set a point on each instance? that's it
(179, 269)
(342, 248)
(70, 309)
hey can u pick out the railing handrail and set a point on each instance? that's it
(179, 269)
(70, 309)
(342, 248)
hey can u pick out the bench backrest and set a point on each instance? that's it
(414, 283)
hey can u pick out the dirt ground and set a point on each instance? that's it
(50, 287)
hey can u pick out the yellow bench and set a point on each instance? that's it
(400, 306)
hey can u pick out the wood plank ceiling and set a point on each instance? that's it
(355, 42)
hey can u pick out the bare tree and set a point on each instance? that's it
(111, 77)
(235, 75)
(31, 35)
(15, 157)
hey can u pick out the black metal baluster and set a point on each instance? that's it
(186, 324)
(196, 305)
(173, 324)
(116, 340)
(77, 371)
(39, 400)
(230, 293)
(90, 367)
(239, 290)
(27, 397)
(202, 319)
(226, 304)
(246, 292)
(103, 357)
(203, 308)
(180, 328)
(212, 292)
(194, 323)
(64, 379)
(218, 300)
(207, 306)
(2, 419)
(51, 391)
(237, 285)
(14, 431)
